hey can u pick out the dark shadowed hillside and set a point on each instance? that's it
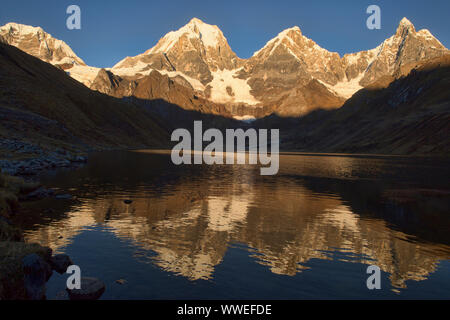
(42, 105)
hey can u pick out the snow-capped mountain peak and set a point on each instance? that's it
(400, 53)
(196, 50)
(288, 34)
(295, 43)
(209, 35)
(406, 22)
(37, 42)
(405, 26)
(22, 29)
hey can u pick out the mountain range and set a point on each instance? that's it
(392, 99)
(290, 76)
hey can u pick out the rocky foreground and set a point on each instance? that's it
(25, 268)
(30, 159)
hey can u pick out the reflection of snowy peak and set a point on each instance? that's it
(290, 75)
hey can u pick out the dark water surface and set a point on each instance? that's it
(213, 232)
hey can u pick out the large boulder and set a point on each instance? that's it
(60, 263)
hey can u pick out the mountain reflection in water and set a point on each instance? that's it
(391, 212)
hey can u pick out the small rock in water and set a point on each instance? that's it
(38, 194)
(63, 196)
(128, 201)
(121, 281)
(60, 263)
(91, 289)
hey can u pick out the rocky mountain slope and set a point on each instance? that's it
(157, 86)
(410, 116)
(290, 76)
(292, 67)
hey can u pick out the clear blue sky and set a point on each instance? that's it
(112, 30)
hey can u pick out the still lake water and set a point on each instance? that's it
(225, 232)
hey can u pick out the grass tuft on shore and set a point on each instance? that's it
(10, 188)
